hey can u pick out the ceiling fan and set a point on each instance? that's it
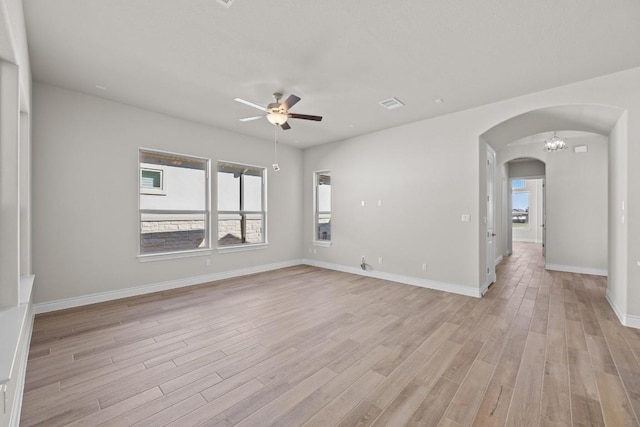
(278, 113)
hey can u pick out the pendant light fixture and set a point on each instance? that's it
(555, 143)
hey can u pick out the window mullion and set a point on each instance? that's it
(243, 216)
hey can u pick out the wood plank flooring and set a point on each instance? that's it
(312, 347)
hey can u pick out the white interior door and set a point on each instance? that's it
(491, 234)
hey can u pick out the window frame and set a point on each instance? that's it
(153, 190)
(159, 256)
(243, 246)
(316, 213)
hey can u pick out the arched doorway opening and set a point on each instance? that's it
(578, 185)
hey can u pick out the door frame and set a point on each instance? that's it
(490, 218)
(508, 207)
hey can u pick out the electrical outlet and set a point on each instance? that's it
(379, 260)
(362, 203)
(380, 202)
(424, 266)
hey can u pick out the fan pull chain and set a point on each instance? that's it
(275, 149)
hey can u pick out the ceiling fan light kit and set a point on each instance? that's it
(277, 118)
(277, 113)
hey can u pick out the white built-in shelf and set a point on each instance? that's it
(12, 321)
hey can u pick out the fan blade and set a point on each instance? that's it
(250, 104)
(285, 126)
(248, 119)
(291, 101)
(304, 117)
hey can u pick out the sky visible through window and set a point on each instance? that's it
(520, 201)
(517, 184)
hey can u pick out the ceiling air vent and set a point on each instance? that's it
(391, 103)
(580, 149)
(226, 3)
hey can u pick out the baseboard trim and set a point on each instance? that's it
(499, 260)
(46, 307)
(619, 313)
(633, 321)
(624, 318)
(576, 269)
(407, 280)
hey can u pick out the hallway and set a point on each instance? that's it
(579, 365)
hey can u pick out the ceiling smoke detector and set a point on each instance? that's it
(391, 103)
(226, 3)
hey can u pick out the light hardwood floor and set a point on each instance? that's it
(306, 346)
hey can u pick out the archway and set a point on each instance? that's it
(521, 136)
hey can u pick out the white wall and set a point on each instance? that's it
(617, 290)
(577, 207)
(414, 170)
(524, 169)
(92, 247)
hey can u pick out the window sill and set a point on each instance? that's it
(323, 243)
(149, 192)
(173, 255)
(242, 248)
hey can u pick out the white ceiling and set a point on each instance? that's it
(191, 58)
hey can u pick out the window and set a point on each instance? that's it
(151, 181)
(322, 204)
(174, 203)
(518, 184)
(241, 205)
(520, 209)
